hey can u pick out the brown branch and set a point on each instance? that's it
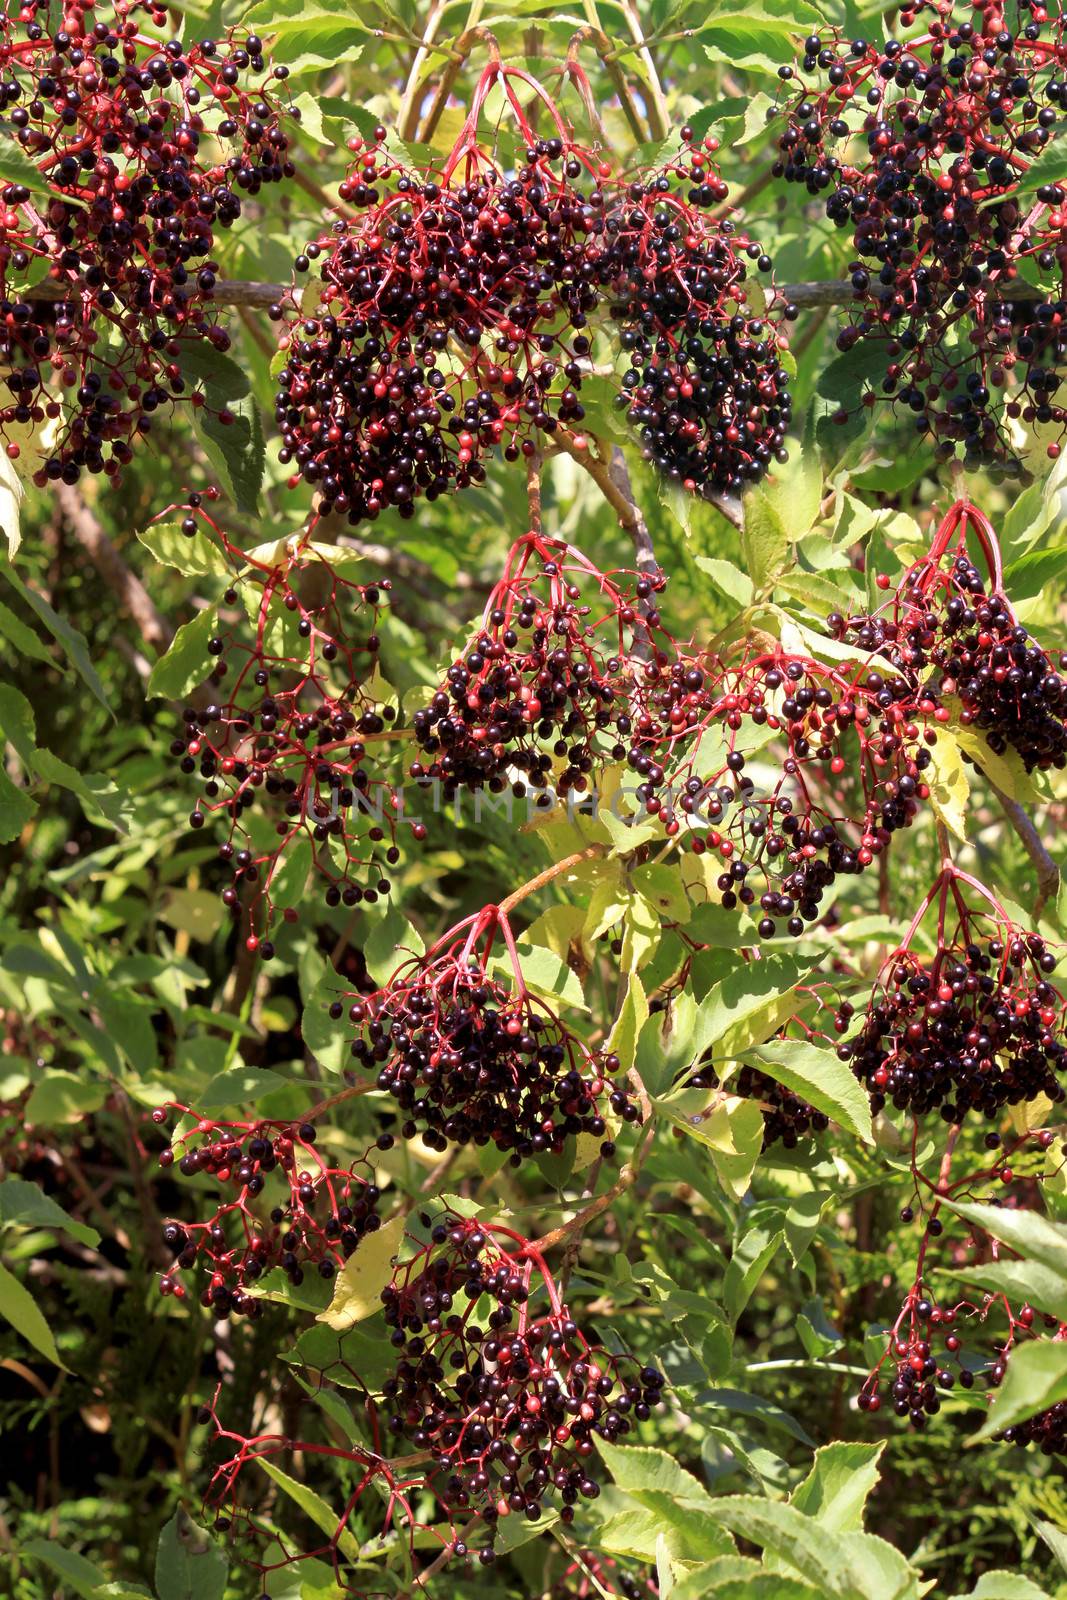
(614, 485)
(131, 592)
(1048, 873)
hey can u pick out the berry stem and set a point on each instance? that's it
(554, 871)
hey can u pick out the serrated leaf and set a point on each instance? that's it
(764, 541)
(197, 555)
(1036, 1379)
(816, 1075)
(840, 1482)
(186, 664)
(750, 1004)
(950, 791)
(659, 1484)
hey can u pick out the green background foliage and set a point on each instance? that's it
(762, 1283)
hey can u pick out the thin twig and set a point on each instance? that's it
(131, 592)
(1048, 873)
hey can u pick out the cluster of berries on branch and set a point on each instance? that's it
(457, 308)
(471, 1055)
(283, 733)
(952, 635)
(922, 145)
(508, 1405)
(287, 1208)
(137, 149)
(544, 693)
(974, 1028)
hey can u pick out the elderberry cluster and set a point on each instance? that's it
(543, 693)
(456, 316)
(703, 724)
(920, 145)
(1005, 681)
(1047, 1430)
(705, 387)
(471, 1057)
(953, 636)
(438, 332)
(123, 128)
(509, 1404)
(972, 1030)
(322, 1215)
(283, 731)
(920, 1373)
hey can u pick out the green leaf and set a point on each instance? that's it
(733, 1133)
(102, 801)
(548, 976)
(682, 1505)
(16, 166)
(357, 1292)
(235, 448)
(753, 1254)
(24, 639)
(764, 541)
(1027, 1232)
(633, 1014)
(186, 664)
(314, 1507)
(16, 809)
(24, 1205)
(312, 40)
(1054, 1537)
(750, 1004)
(1036, 1379)
(18, 727)
(62, 1097)
(390, 943)
(240, 1086)
(189, 1566)
(197, 555)
(999, 1585)
(67, 637)
(18, 1307)
(815, 1074)
(839, 1484)
(74, 1569)
(950, 790)
(734, 583)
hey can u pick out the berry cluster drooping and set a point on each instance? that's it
(954, 637)
(975, 1028)
(705, 388)
(319, 1216)
(145, 146)
(921, 144)
(508, 1405)
(283, 732)
(458, 308)
(544, 692)
(470, 1055)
